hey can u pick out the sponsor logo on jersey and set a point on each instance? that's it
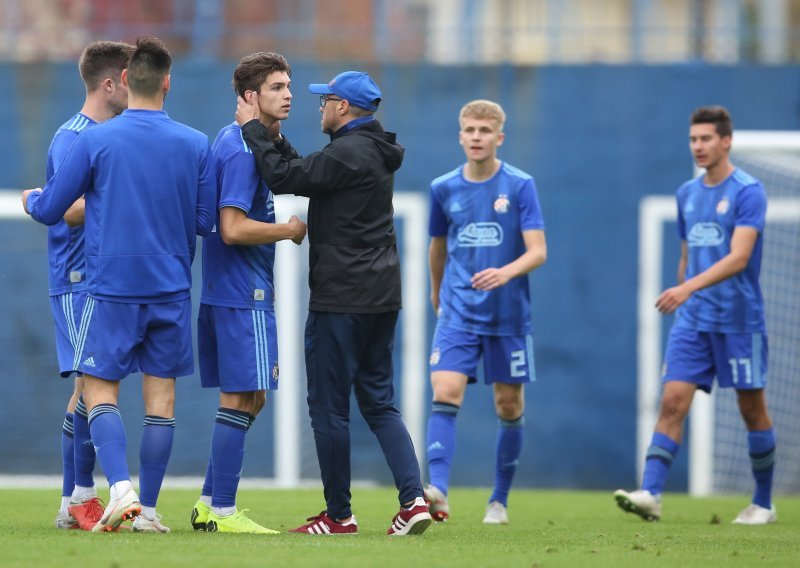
(455, 207)
(435, 356)
(481, 235)
(723, 206)
(501, 203)
(705, 235)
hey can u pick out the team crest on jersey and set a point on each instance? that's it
(501, 203)
(723, 206)
(435, 356)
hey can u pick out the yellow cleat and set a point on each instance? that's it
(238, 522)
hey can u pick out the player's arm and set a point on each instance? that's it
(682, 262)
(437, 256)
(742, 243)
(70, 182)
(534, 256)
(76, 214)
(236, 228)
(206, 208)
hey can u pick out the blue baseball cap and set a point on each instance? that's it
(355, 86)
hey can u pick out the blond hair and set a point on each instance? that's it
(483, 109)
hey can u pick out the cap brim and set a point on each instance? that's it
(320, 89)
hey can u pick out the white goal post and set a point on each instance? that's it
(654, 212)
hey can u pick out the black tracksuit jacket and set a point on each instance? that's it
(353, 261)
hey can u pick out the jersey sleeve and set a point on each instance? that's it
(67, 184)
(680, 220)
(205, 213)
(60, 146)
(751, 207)
(239, 180)
(437, 220)
(530, 212)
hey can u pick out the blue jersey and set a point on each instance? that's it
(65, 243)
(707, 217)
(149, 184)
(483, 222)
(239, 276)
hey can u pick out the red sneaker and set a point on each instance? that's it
(87, 513)
(413, 520)
(323, 524)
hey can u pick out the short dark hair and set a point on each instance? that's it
(716, 115)
(253, 70)
(101, 59)
(150, 63)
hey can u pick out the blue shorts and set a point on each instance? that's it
(738, 360)
(506, 359)
(237, 349)
(67, 314)
(125, 338)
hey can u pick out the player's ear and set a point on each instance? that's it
(500, 137)
(123, 77)
(165, 86)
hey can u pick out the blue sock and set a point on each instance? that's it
(509, 447)
(761, 445)
(154, 452)
(68, 455)
(441, 443)
(84, 450)
(660, 454)
(208, 483)
(227, 455)
(108, 436)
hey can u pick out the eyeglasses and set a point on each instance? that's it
(325, 98)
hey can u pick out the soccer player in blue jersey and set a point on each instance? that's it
(149, 184)
(101, 64)
(487, 234)
(237, 334)
(719, 330)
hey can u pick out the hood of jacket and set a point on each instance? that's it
(385, 142)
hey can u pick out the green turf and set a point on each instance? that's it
(548, 528)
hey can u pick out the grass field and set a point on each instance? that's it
(548, 528)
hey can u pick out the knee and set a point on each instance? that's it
(508, 407)
(674, 406)
(259, 401)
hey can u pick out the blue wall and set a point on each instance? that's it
(596, 139)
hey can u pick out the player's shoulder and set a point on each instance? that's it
(229, 141)
(453, 176)
(744, 179)
(515, 173)
(74, 126)
(688, 186)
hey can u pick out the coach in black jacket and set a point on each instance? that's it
(354, 276)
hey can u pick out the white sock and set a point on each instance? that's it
(120, 488)
(83, 494)
(64, 504)
(149, 513)
(223, 511)
(205, 499)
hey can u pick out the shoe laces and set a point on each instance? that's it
(96, 507)
(317, 517)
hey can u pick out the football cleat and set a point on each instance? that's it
(639, 502)
(437, 503)
(413, 520)
(87, 513)
(237, 522)
(143, 524)
(323, 524)
(756, 515)
(66, 521)
(496, 514)
(200, 513)
(124, 508)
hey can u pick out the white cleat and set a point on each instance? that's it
(639, 502)
(124, 508)
(437, 503)
(66, 521)
(496, 514)
(756, 515)
(143, 524)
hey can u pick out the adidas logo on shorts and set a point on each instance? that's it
(89, 362)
